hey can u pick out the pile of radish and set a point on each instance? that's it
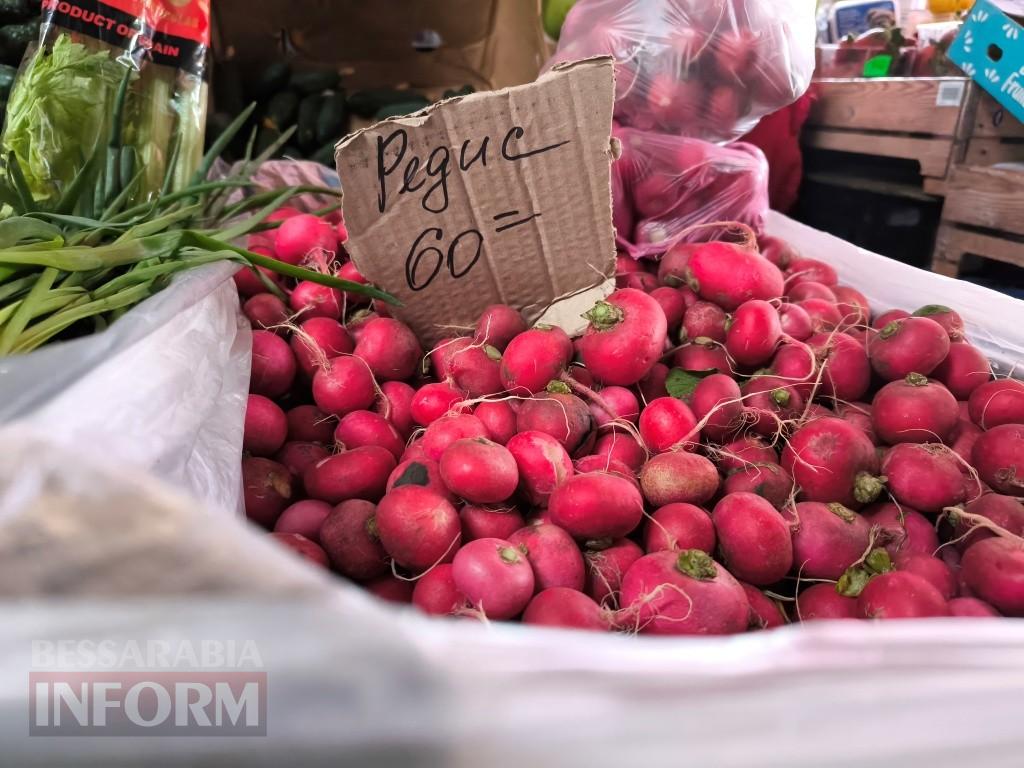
(734, 443)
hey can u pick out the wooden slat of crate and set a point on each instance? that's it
(954, 242)
(992, 121)
(986, 197)
(902, 105)
(932, 153)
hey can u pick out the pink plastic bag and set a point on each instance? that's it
(708, 69)
(664, 185)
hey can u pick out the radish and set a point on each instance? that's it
(303, 547)
(494, 576)
(533, 358)
(489, 522)
(811, 290)
(924, 476)
(625, 338)
(553, 555)
(498, 325)
(833, 461)
(309, 299)
(418, 471)
(853, 305)
(822, 602)
(395, 405)
(624, 406)
(672, 304)
(912, 345)
(914, 410)
(971, 607)
(566, 608)
(735, 53)
(597, 505)
(448, 429)
(679, 477)
(348, 271)
(267, 490)
(797, 365)
(705, 320)
(298, 457)
(765, 613)
(993, 569)
(998, 455)
(360, 428)
(475, 369)
(349, 536)
(949, 319)
(812, 271)
(622, 448)
(676, 527)
(435, 592)
(964, 370)
(889, 317)
(606, 564)
(592, 463)
(827, 539)
(666, 423)
(1006, 512)
(479, 471)
(417, 527)
(432, 401)
(542, 462)
(389, 348)
(498, 419)
(770, 481)
(728, 275)
(682, 593)
(795, 322)
(753, 538)
(652, 386)
(966, 435)
(305, 518)
(931, 569)
(248, 280)
(770, 404)
(746, 452)
(672, 267)
(391, 588)
(361, 473)
(716, 402)
(900, 595)
(860, 415)
(563, 416)
(644, 282)
(266, 312)
(319, 339)
(273, 365)
(703, 355)
(846, 370)
(300, 236)
(723, 110)
(777, 251)
(903, 530)
(266, 426)
(344, 385)
(672, 102)
(754, 333)
(824, 315)
(997, 402)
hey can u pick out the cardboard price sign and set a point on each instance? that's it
(501, 197)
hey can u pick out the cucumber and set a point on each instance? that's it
(14, 39)
(272, 80)
(282, 110)
(324, 155)
(400, 108)
(15, 10)
(368, 103)
(7, 75)
(330, 123)
(309, 112)
(314, 82)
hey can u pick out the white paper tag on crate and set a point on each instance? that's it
(951, 93)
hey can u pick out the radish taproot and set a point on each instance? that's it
(560, 414)
(770, 481)
(998, 455)
(754, 333)
(479, 470)
(498, 418)
(534, 358)
(596, 505)
(902, 529)
(827, 539)
(679, 477)
(998, 402)
(307, 423)
(273, 365)
(964, 370)
(728, 275)
(480, 522)
(607, 562)
(625, 338)
(417, 527)
(435, 592)
(361, 473)
(498, 324)
(267, 488)
(350, 537)
(360, 428)
(914, 410)
(705, 320)
(717, 402)
(565, 608)
(900, 595)
(318, 340)
(925, 476)
(495, 577)
(304, 517)
(753, 538)
(344, 385)
(449, 429)
(668, 422)
(911, 345)
(832, 461)
(553, 555)
(676, 527)
(765, 613)
(823, 602)
(266, 426)
(389, 348)
(949, 319)
(543, 464)
(303, 547)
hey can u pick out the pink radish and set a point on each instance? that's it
(811, 290)
(597, 505)
(846, 371)
(266, 426)
(303, 235)
(623, 404)
(479, 470)
(622, 448)
(964, 370)
(753, 538)
(729, 275)
(705, 320)
(349, 536)
(679, 477)
(534, 358)
(303, 547)
(858, 414)
(672, 304)
(360, 428)
(754, 333)
(672, 267)
(703, 355)
(553, 555)
(267, 490)
(997, 402)
(853, 305)
(902, 529)
(914, 410)
(563, 416)
(832, 461)
(770, 404)
(309, 299)
(495, 577)
(823, 602)
(827, 539)
(389, 348)
(395, 405)
(949, 319)
(499, 419)
(746, 452)
(765, 613)
(971, 607)
(666, 423)
(900, 595)
(266, 312)
(797, 365)
(912, 345)
(419, 471)
(769, 481)
(652, 386)
(418, 527)
(543, 464)
(607, 563)
(298, 457)
(566, 608)
(889, 317)
(498, 325)
(449, 429)
(777, 251)
(305, 518)
(273, 365)
(625, 338)
(361, 473)
(435, 592)
(489, 522)
(1006, 512)
(432, 401)
(391, 589)
(825, 316)
(676, 527)
(924, 476)
(248, 280)
(998, 455)
(931, 569)
(994, 571)
(344, 385)
(320, 339)
(795, 322)
(475, 369)
(811, 270)
(716, 401)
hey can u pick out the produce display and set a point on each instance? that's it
(887, 52)
(735, 442)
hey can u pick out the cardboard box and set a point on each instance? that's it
(990, 49)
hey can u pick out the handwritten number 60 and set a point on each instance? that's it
(435, 259)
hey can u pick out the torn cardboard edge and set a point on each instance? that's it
(425, 198)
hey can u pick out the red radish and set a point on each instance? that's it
(795, 322)
(626, 265)
(777, 251)
(644, 282)
(419, 471)
(672, 304)
(343, 386)
(432, 401)
(735, 53)
(705, 320)
(625, 338)
(889, 317)
(566, 608)
(971, 607)
(392, 589)
(622, 448)
(361, 473)
(390, 349)
(303, 547)
(319, 339)
(967, 434)
(273, 365)
(846, 373)
(671, 101)
(498, 419)
(998, 455)
(395, 405)
(825, 316)
(822, 602)
(716, 398)
(853, 305)
(858, 414)
(435, 592)
(682, 593)
(298, 457)
(348, 271)
(997, 402)
(447, 430)
(248, 280)
(267, 490)
(266, 426)
(964, 370)
(914, 410)
(1004, 511)
(652, 386)
(305, 518)
(903, 530)
(728, 275)
(900, 595)
(924, 476)
(489, 522)
(593, 463)
(797, 365)
(811, 270)
(534, 358)
(563, 416)
(360, 428)
(440, 355)
(350, 538)
(309, 424)
(498, 325)
(912, 345)
(753, 538)
(949, 319)
(266, 312)
(993, 569)
(310, 299)
(672, 267)
(723, 110)
(769, 481)
(666, 423)
(495, 577)
(479, 471)
(414, 450)
(624, 406)
(703, 355)
(580, 375)
(281, 214)
(827, 539)
(746, 452)
(597, 505)
(680, 526)
(417, 527)
(679, 477)
(931, 569)
(606, 565)
(833, 461)
(811, 290)
(543, 464)
(475, 369)
(770, 404)
(765, 613)
(300, 236)
(754, 333)
(553, 555)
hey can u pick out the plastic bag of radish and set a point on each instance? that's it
(708, 69)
